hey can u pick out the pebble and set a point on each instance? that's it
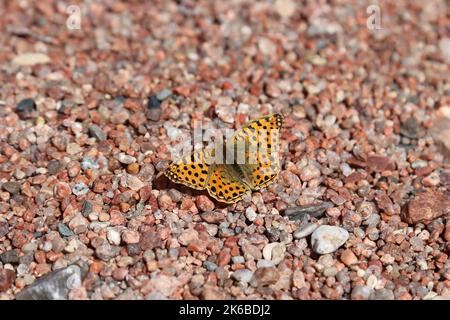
(316, 210)
(153, 102)
(107, 252)
(96, 132)
(86, 208)
(64, 230)
(62, 190)
(120, 116)
(210, 293)
(12, 187)
(285, 8)
(188, 236)
(310, 172)
(130, 236)
(54, 286)
(306, 230)
(250, 214)
(113, 236)
(242, 275)
(133, 168)
(446, 233)
(164, 94)
(132, 182)
(54, 167)
(124, 158)
(238, 259)
(89, 163)
(382, 294)
(10, 256)
(210, 266)
(265, 276)
(327, 239)
(263, 263)
(266, 46)
(444, 46)
(425, 207)
(274, 251)
(31, 59)
(361, 292)
(7, 278)
(4, 228)
(204, 203)
(25, 108)
(348, 257)
(73, 148)
(80, 189)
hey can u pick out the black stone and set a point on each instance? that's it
(410, 128)
(26, 106)
(86, 209)
(64, 230)
(314, 210)
(153, 102)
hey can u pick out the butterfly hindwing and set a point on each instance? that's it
(224, 184)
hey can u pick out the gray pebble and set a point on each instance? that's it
(164, 94)
(210, 266)
(54, 167)
(86, 209)
(242, 275)
(12, 187)
(361, 292)
(10, 256)
(64, 230)
(305, 230)
(238, 259)
(382, 294)
(97, 132)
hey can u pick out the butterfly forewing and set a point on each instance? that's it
(262, 138)
(191, 170)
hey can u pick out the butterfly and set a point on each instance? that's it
(247, 161)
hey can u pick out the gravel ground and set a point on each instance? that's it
(361, 208)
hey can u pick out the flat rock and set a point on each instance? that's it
(425, 207)
(54, 286)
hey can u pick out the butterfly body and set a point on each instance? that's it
(248, 161)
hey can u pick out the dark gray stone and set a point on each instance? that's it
(12, 187)
(10, 256)
(97, 132)
(64, 230)
(54, 286)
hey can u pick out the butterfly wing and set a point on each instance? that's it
(225, 186)
(191, 170)
(262, 142)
